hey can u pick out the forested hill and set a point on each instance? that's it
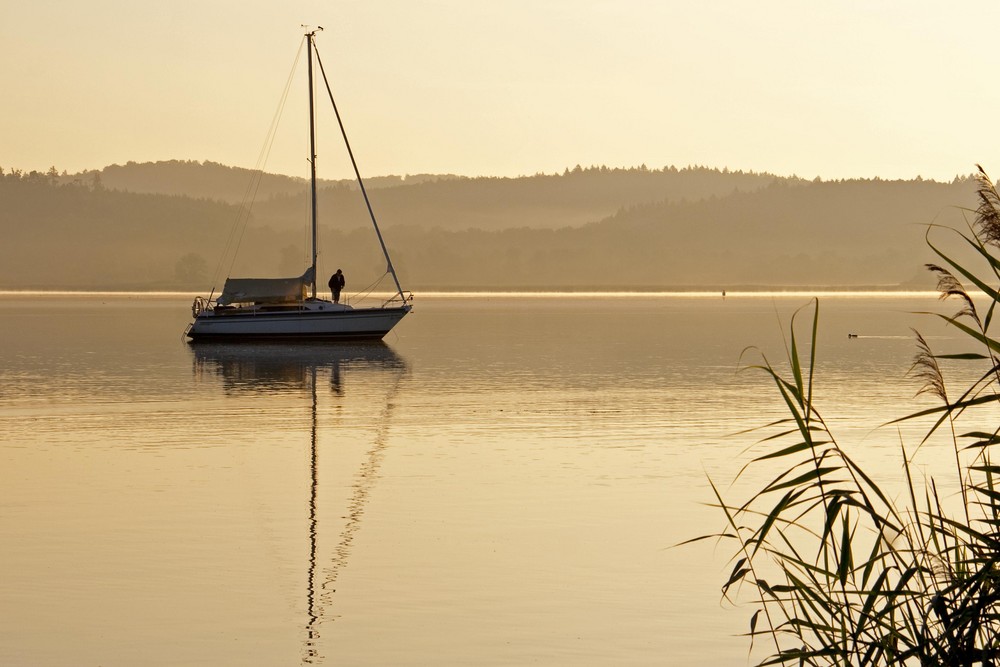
(849, 234)
(760, 231)
(210, 180)
(544, 201)
(575, 197)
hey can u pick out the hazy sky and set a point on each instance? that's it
(509, 87)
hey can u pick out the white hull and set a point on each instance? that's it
(313, 321)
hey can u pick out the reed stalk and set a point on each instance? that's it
(841, 574)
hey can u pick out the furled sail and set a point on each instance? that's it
(266, 290)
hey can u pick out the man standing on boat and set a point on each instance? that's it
(337, 283)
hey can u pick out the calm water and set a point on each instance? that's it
(499, 484)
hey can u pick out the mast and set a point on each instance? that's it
(312, 157)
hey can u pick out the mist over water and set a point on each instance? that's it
(500, 482)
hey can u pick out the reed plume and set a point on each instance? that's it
(838, 571)
(926, 369)
(988, 212)
(949, 286)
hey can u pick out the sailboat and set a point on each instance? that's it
(255, 309)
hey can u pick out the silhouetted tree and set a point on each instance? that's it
(192, 270)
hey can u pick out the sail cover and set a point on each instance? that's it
(266, 290)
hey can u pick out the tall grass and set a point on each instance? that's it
(839, 572)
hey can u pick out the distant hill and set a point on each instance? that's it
(617, 229)
(571, 199)
(211, 180)
(859, 233)
(576, 197)
(79, 237)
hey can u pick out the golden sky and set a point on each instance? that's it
(834, 89)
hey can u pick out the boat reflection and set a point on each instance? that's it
(294, 367)
(281, 366)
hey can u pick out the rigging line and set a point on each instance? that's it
(366, 292)
(265, 153)
(250, 194)
(357, 173)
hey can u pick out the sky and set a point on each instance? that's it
(835, 89)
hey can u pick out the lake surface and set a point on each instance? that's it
(500, 483)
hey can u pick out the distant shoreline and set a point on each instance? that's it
(471, 294)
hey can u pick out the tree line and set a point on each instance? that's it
(670, 228)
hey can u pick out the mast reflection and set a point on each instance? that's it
(269, 367)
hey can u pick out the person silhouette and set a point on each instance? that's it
(337, 283)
